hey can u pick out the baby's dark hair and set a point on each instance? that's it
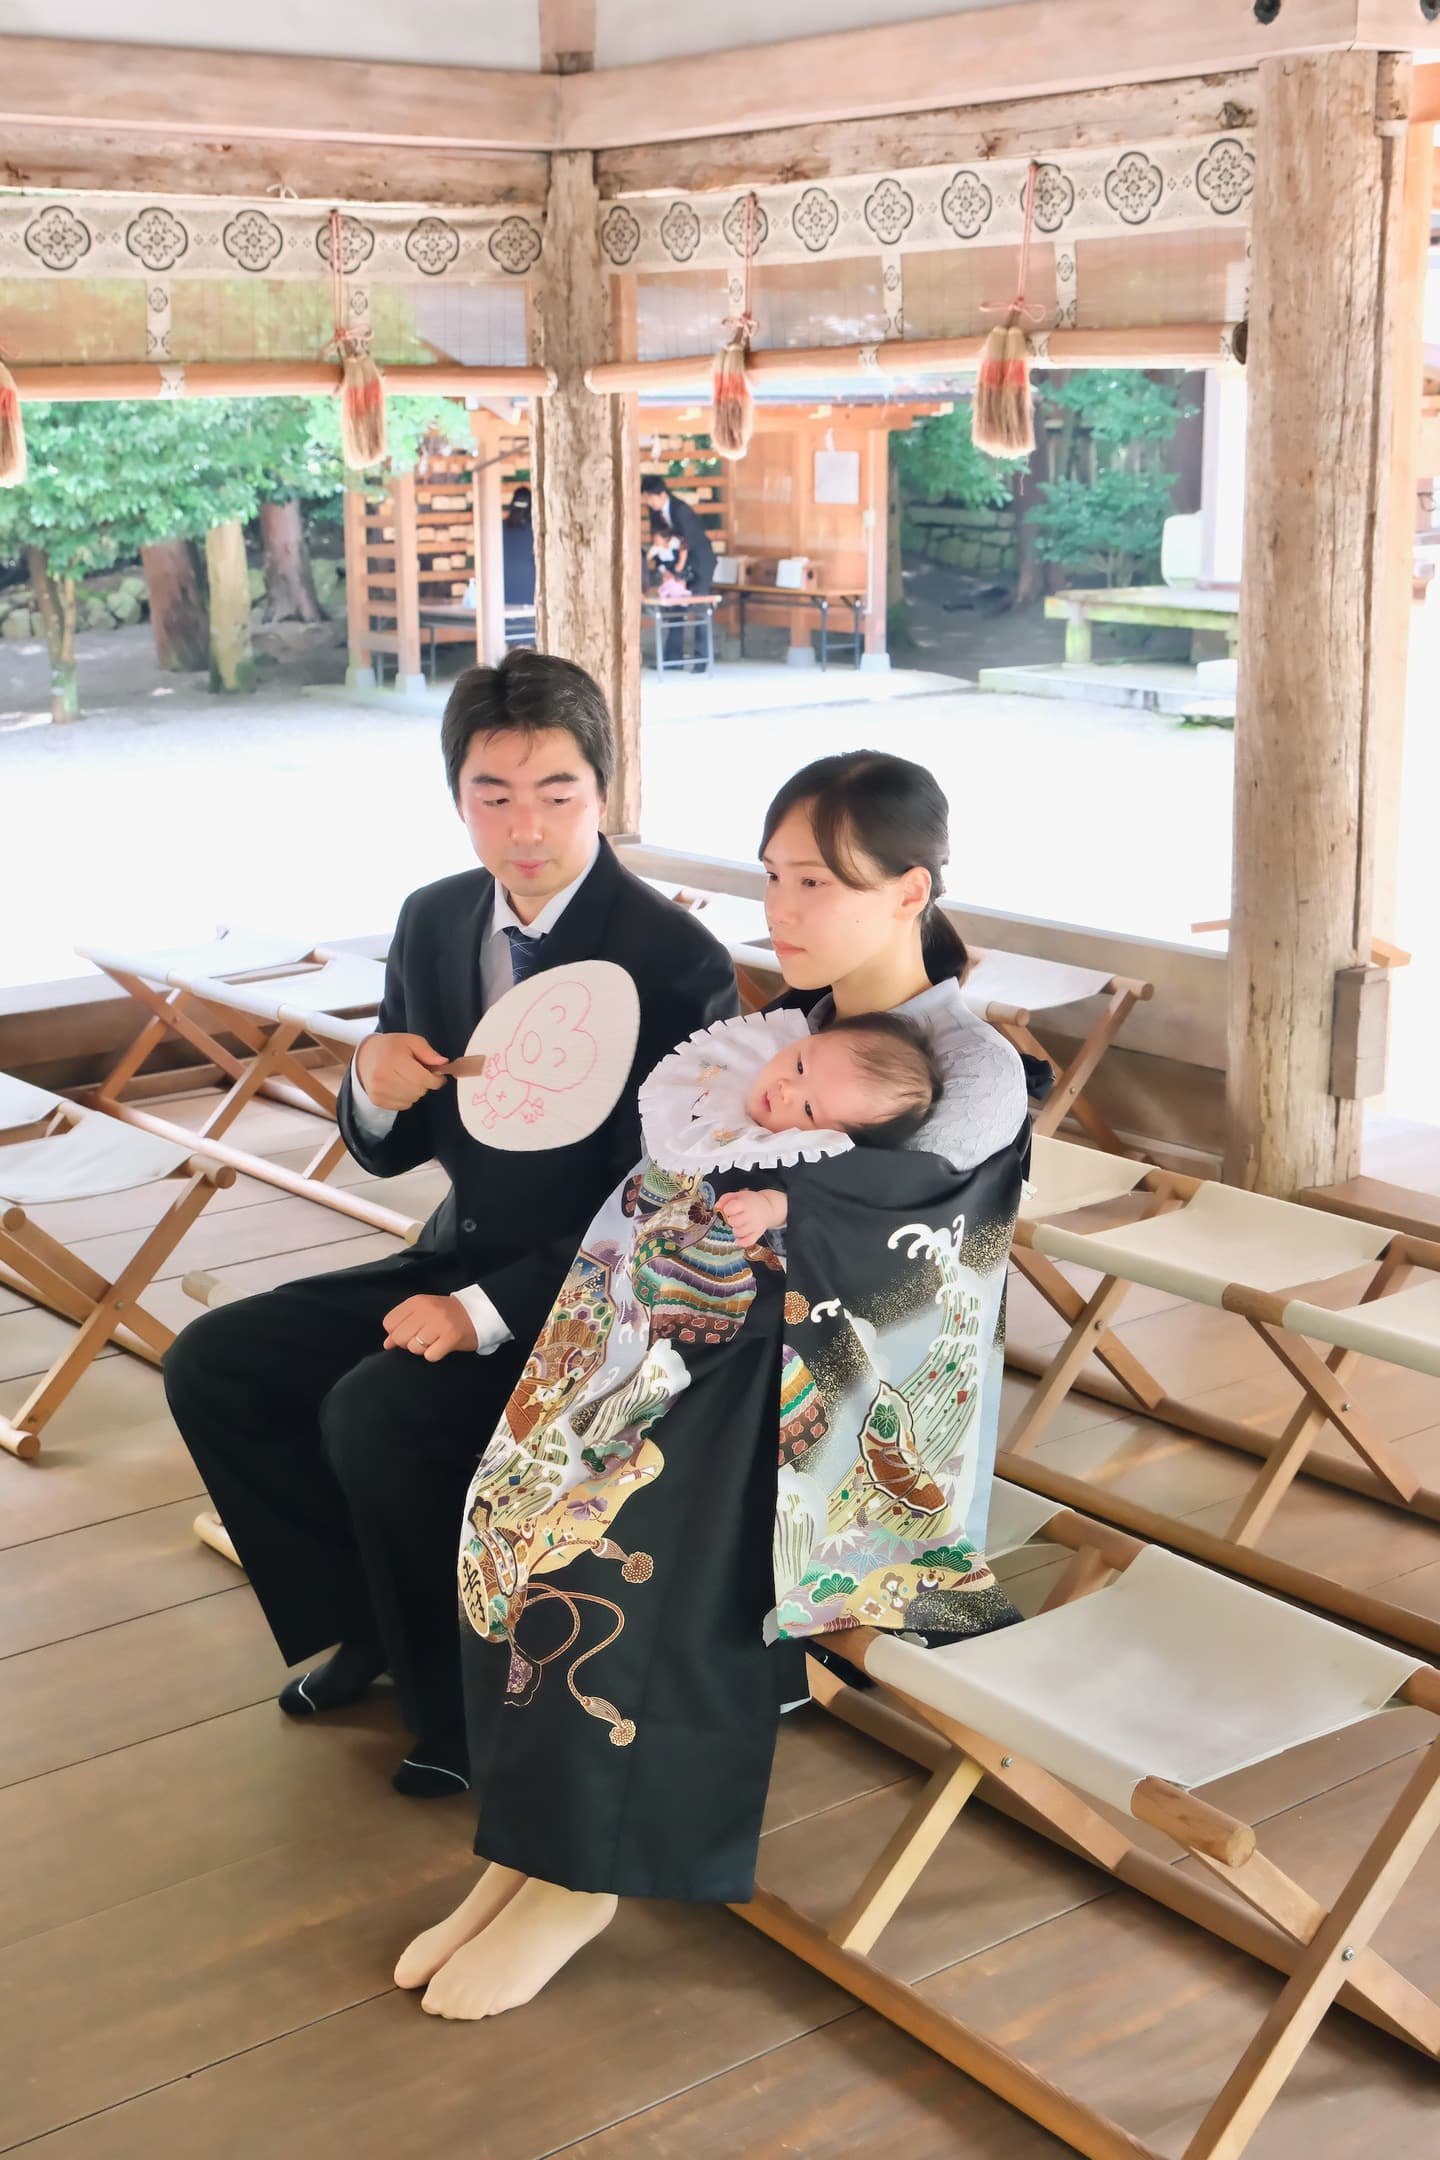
(899, 1056)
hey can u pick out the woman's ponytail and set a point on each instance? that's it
(942, 947)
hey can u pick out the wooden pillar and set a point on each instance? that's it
(1324, 242)
(360, 666)
(586, 496)
(408, 675)
(232, 657)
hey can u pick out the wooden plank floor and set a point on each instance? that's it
(201, 1903)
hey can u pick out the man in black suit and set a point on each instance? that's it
(337, 1421)
(696, 559)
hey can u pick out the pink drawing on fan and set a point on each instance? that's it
(549, 1054)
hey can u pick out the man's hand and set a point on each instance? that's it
(751, 1214)
(396, 1070)
(430, 1327)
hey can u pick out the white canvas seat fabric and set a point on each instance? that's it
(1402, 1328)
(346, 982)
(229, 954)
(97, 1155)
(1172, 1672)
(21, 1104)
(1064, 1178)
(1024, 984)
(1016, 1518)
(1219, 1237)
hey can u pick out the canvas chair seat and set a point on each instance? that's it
(1219, 1237)
(251, 1002)
(93, 1156)
(1172, 1672)
(1401, 1329)
(21, 1104)
(1142, 1679)
(228, 956)
(80, 1155)
(342, 983)
(1246, 1254)
(1019, 986)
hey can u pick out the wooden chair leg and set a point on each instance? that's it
(1324, 1969)
(1067, 1097)
(1063, 1298)
(907, 1853)
(325, 1160)
(1326, 1392)
(1074, 1353)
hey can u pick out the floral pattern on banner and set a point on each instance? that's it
(357, 244)
(515, 245)
(58, 238)
(1134, 187)
(188, 238)
(1225, 178)
(433, 246)
(157, 238)
(1082, 195)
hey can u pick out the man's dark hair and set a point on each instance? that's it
(654, 483)
(526, 692)
(898, 1056)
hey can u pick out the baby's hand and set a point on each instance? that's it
(751, 1214)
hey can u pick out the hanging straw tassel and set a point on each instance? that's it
(734, 409)
(1004, 418)
(363, 436)
(12, 432)
(363, 440)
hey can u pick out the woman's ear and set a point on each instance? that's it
(914, 893)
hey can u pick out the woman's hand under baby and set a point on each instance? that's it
(751, 1214)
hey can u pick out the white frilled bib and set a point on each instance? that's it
(692, 1107)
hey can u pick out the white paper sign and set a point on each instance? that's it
(837, 476)
(558, 1049)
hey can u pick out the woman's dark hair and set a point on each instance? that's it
(868, 803)
(528, 691)
(899, 1056)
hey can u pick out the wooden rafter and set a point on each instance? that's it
(1029, 49)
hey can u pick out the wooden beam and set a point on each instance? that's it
(1026, 127)
(567, 36)
(586, 497)
(49, 156)
(1425, 102)
(1187, 345)
(181, 94)
(260, 378)
(1033, 48)
(1324, 242)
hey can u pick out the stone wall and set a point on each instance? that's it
(980, 542)
(120, 596)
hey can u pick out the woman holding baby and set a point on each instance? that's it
(763, 1407)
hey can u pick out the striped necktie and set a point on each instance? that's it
(524, 951)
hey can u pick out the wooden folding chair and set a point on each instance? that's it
(1011, 989)
(278, 1002)
(53, 1150)
(1237, 1252)
(1143, 1679)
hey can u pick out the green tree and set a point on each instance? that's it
(938, 462)
(1107, 492)
(106, 479)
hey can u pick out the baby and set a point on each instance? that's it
(873, 1077)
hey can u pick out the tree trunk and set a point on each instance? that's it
(179, 617)
(55, 598)
(232, 659)
(289, 582)
(1029, 570)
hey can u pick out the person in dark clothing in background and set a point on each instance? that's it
(696, 560)
(518, 538)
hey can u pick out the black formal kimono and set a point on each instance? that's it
(340, 1468)
(713, 1449)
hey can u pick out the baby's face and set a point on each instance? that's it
(814, 1085)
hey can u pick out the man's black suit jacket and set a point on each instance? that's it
(512, 1222)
